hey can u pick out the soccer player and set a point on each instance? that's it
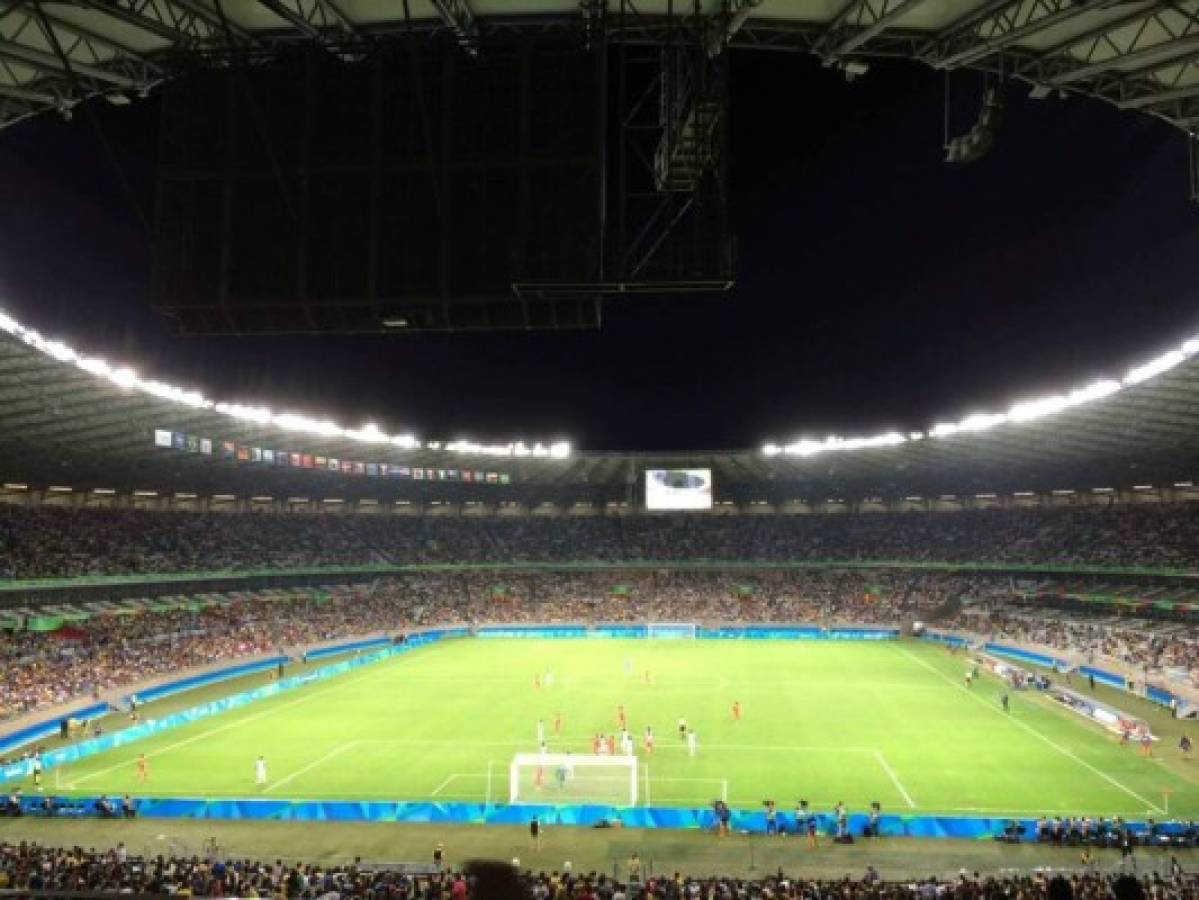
(557, 723)
(537, 682)
(610, 745)
(1184, 745)
(736, 710)
(595, 745)
(969, 678)
(682, 729)
(691, 742)
(1007, 708)
(621, 719)
(648, 678)
(603, 746)
(260, 771)
(649, 740)
(628, 666)
(541, 731)
(37, 771)
(560, 777)
(549, 678)
(626, 743)
(143, 768)
(1146, 743)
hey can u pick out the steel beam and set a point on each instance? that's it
(28, 95)
(859, 22)
(157, 17)
(1001, 24)
(48, 62)
(1154, 99)
(315, 19)
(459, 18)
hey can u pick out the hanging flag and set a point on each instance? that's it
(206, 446)
(162, 437)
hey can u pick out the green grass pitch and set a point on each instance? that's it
(886, 721)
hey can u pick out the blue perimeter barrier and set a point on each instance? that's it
(187, 684)
(339, 649)
(49, 727)
(749, 632)
(1154, 694)
(584, 816)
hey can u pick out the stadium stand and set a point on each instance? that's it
(28, 866)
(47, 541)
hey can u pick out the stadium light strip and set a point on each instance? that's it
(126, 378)
(1023, 411)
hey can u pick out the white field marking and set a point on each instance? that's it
(73, 783)
(336, 751)
(450, 779)
(882, 761)
(1022, 724)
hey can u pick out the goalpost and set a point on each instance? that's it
(572, 778)
(668, 630)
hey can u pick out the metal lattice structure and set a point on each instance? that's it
(1134, 54)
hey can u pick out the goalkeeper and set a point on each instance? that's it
(560, 776)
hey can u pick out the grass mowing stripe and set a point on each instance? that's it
(882, 761)
(1049, 741)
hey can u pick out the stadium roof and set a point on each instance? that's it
(1137, 55)
(63, 424)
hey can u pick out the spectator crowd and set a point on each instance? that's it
(51, 541)
(31, 867)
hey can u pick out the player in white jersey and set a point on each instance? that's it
(692, 743)
(626, 743)
(260, 771)
(549, 678)
(541, 731)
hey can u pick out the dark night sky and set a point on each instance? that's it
(878, 287)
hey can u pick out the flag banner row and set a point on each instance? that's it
(269, 456)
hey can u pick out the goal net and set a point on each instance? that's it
(571, 778)
(670, 630)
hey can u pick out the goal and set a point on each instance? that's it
(571, 778)
(668, 630)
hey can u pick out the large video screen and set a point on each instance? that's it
(678, 489)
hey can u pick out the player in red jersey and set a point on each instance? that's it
(736, 710)
(536, 682)
(621, 719)
(595, 745)
(557, 723)
(143, 768)
(611, 745)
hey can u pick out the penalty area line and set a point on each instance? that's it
(1069, 754)
(886, 766)
(319, 761)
